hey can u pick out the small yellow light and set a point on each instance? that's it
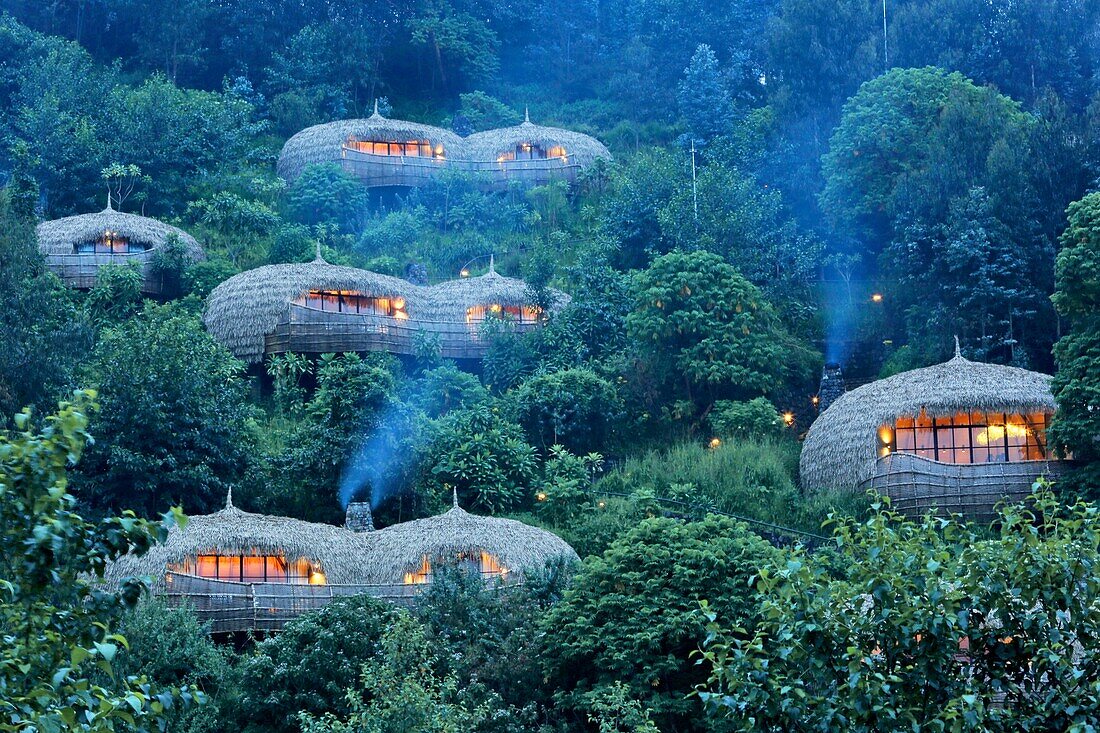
(541, 496)
(815, 400)
(602, 504)
(877, 297)
(715, 442)
(317, 578)
(399, 304)
(788, 418)
(886, 435)
(401, 315)
(495, 307)
(464, 272)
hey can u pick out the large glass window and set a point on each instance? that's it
(407, 148)
(109, 243)
(969, 437)
(485, 564)
(251, 569)
(350, 301)
(522, 314)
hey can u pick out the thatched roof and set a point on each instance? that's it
(344, 556)
(401, 548)
(322, 143)
(841, 446)
(247, 306)
(60, 236)
(489, 145)
(337, 552)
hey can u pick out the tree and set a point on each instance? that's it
(1076, 384)
(481, 456)
(309, 667)
(42, 328)
(575, 408)
(56, 616)
(921, 626)
(173, 428)
(706, 332)
(633, 615)
(325, 194)
(403, 690)
(704, 103)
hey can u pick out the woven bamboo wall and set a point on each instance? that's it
(311, 331)
(398, 170)
(79, 270)
(915, 484)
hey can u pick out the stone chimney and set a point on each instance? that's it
(832, 386)
(358, 517)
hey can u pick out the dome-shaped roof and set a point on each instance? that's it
(323, 143)
(247, 306)
(241, 311)
(335, 551)
(841, 446)
(489, 145)
(60, 236)
(519, 547)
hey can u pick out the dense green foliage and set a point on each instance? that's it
(59, 647)
(1076, 386)
(922, 626)
(775, 163)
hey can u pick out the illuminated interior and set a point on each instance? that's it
(408, 149)
(109, 243)
(531, 151)
(481, 562)
(524, 314)
(969, 437)
(252, 569)
(351, 301)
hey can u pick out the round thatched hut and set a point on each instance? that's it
(956, 436)
(498, 549)
(379, 151)
(532, 153)
(77, 246)
(239, 547)
(321, 308)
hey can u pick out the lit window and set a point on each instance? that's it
(251, 569)
(975, 437)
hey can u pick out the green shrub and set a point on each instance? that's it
(311, 664)
(756, 418)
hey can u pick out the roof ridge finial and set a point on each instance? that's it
(109, 206)
(376, 114)
(454, 496)
(318, 258)
(492, 264)
(958, 349)
(526, 115)
(229, 498)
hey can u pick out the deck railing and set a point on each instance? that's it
(414, 170)
(916, 484)
(80, 269)
(230, 607)
(313, 331)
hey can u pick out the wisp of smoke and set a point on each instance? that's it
(378, 462)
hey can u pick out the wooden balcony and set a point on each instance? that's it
(80, 270)
(400, 170)
(312, 331)
(916, 485)
(230, 607)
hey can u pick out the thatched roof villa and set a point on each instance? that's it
(252, 572)
(958, 436)
(384, 152)
(317, 308)
(77, 246)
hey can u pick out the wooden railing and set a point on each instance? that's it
(230, 607)
(413, 170)
(311, 331)
(79, 270)
(916, 484)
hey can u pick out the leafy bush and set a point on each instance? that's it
(756, 418)
(922, 626)
(632, 615)
(116, 295)
(310, 665)
(325, 194)
(575, 408)
(483, 457)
